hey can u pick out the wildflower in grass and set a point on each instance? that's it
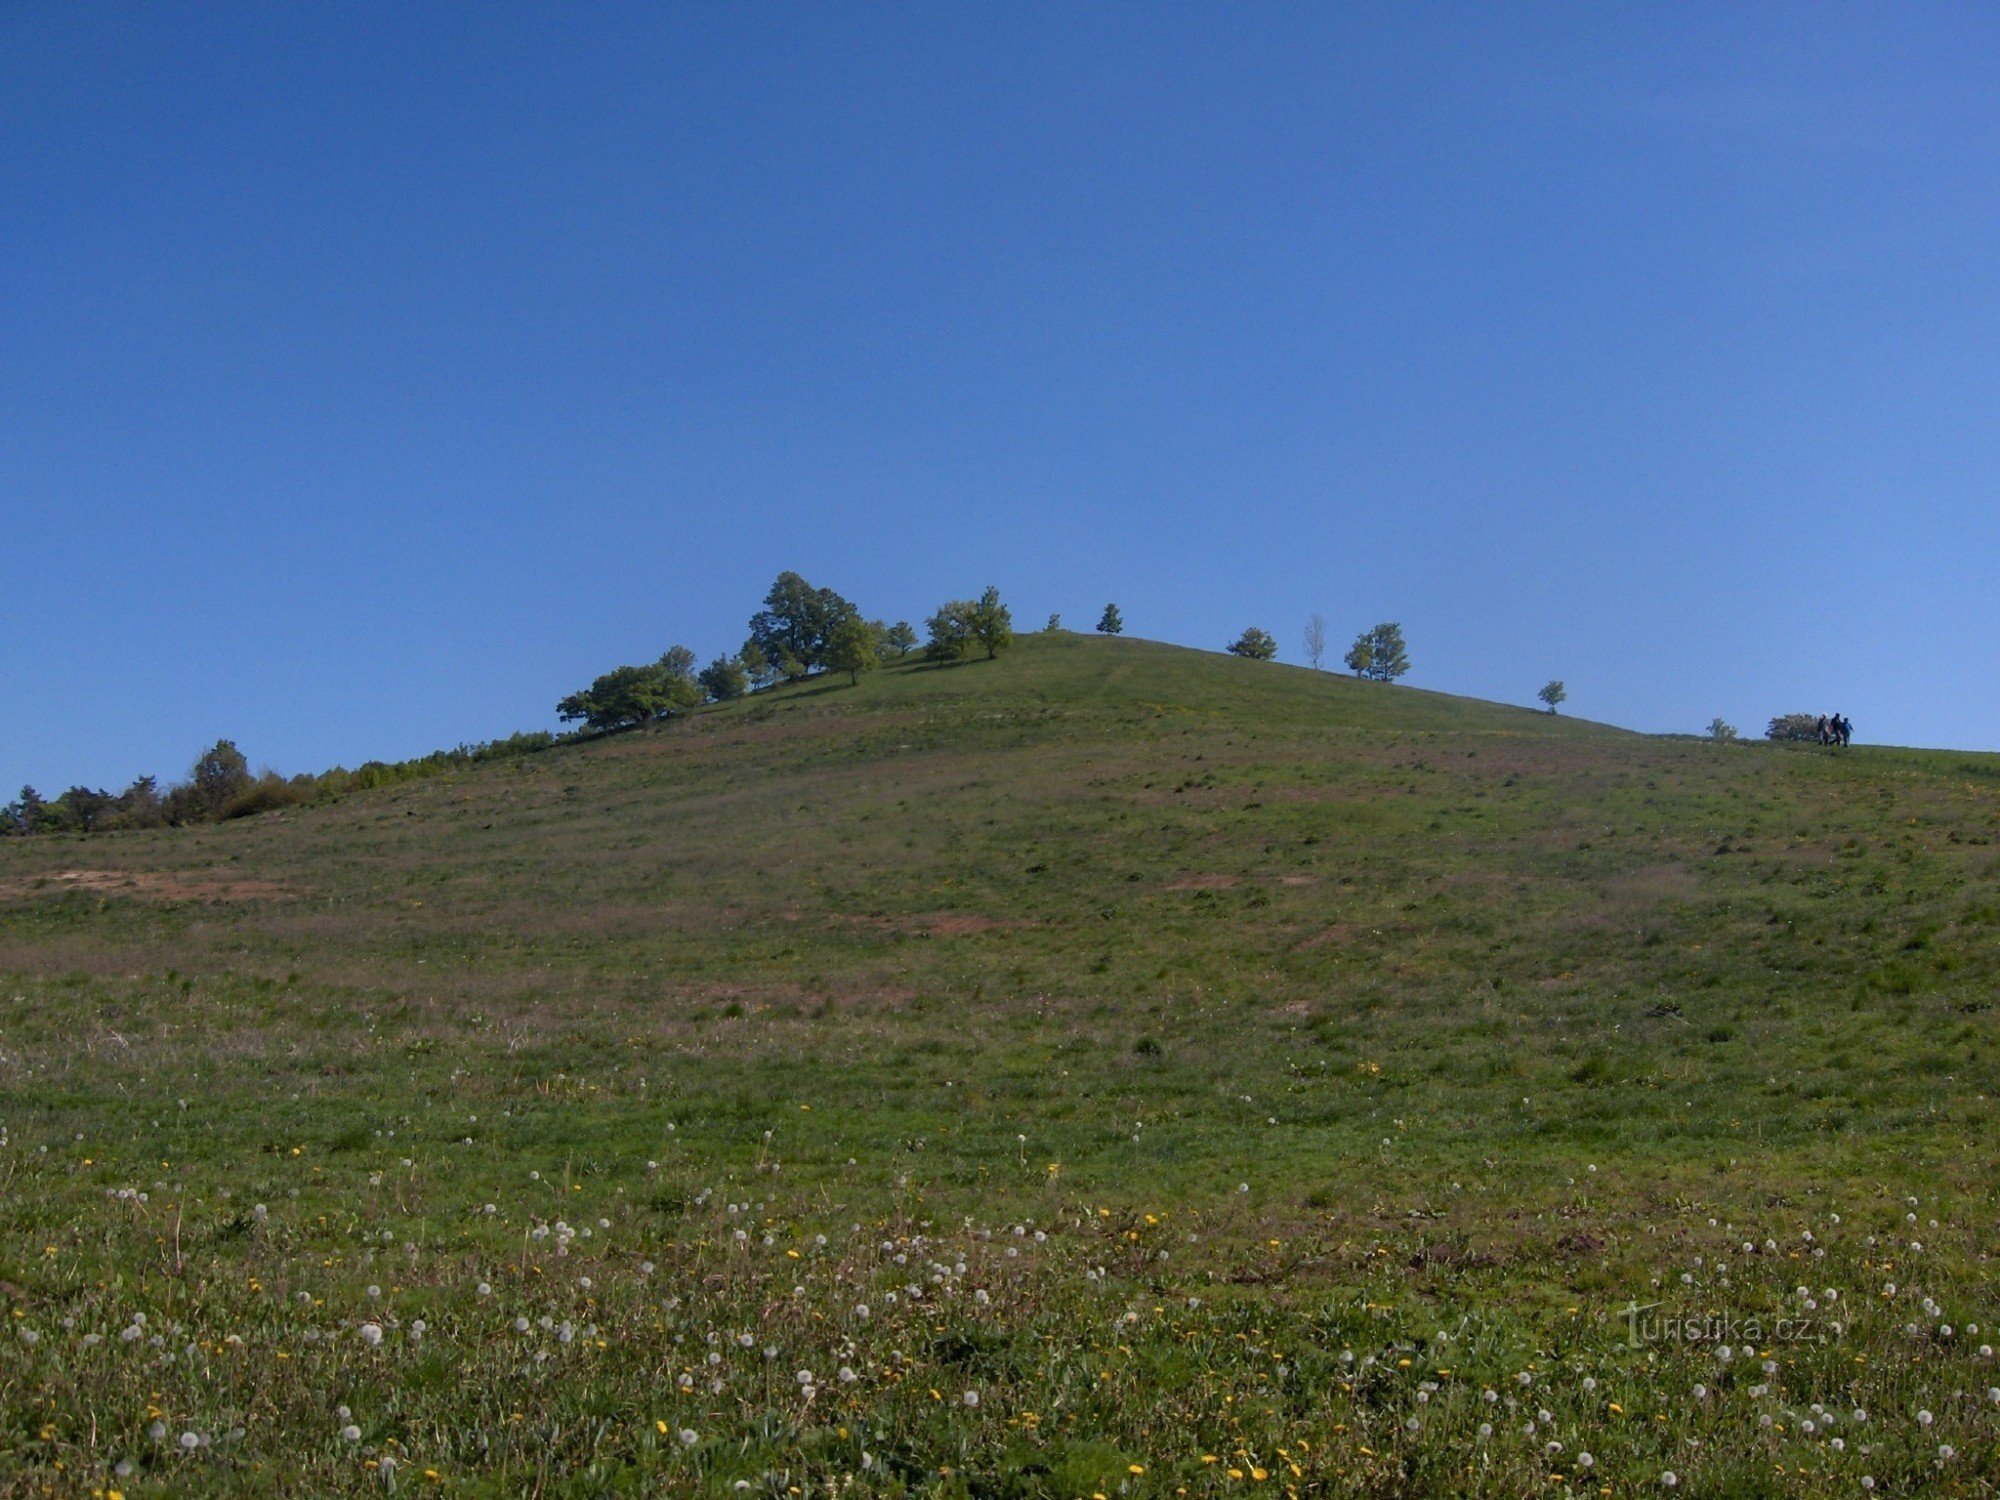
(350, 1433)
(1670, 1479)
(190, 1441)
(972, 1398)
(371, 1334)
(689, 1437)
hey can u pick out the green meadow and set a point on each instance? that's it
(1110, 1070)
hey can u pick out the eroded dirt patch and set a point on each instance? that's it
(144, 885)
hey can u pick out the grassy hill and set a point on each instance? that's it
(1343, 1055)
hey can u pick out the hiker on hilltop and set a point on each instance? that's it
(1843, 729)
(1823, 732)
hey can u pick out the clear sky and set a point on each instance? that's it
(373, 375)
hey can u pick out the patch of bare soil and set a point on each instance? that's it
(1341, 935)
(145, 885)
(956, 924)
(931, 923)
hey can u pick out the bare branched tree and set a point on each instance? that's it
(1315, 639)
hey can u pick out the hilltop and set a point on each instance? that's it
(1450, 1006)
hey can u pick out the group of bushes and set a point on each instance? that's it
(220, 785)
(1379, 654)
(800, 632)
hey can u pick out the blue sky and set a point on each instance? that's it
(372, 375)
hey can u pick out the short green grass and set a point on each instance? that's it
(1211, 1077)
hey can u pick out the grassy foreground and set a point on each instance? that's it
(1112, 1070)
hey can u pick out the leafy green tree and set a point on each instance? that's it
(756, 665)
(139, 805)
(853, 648)
(1793, 727)
(951, 632)
(622, 697)
(1390, 659)
(992, 623)
(1255, 644)
(681, 684)
(724, 678)
(627, 696)
(87, 810)
(59, 816)
(1721, 730)
(219, 777)
(1055, 624)
(24, 813)
(796, 625)
(1553, 693)
(678, 663)
(961, 624)
(1111, 622)
(1379, 653)
(902, 638)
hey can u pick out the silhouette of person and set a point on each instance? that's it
(1823, 730)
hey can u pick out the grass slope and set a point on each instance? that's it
(1236, 1078)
